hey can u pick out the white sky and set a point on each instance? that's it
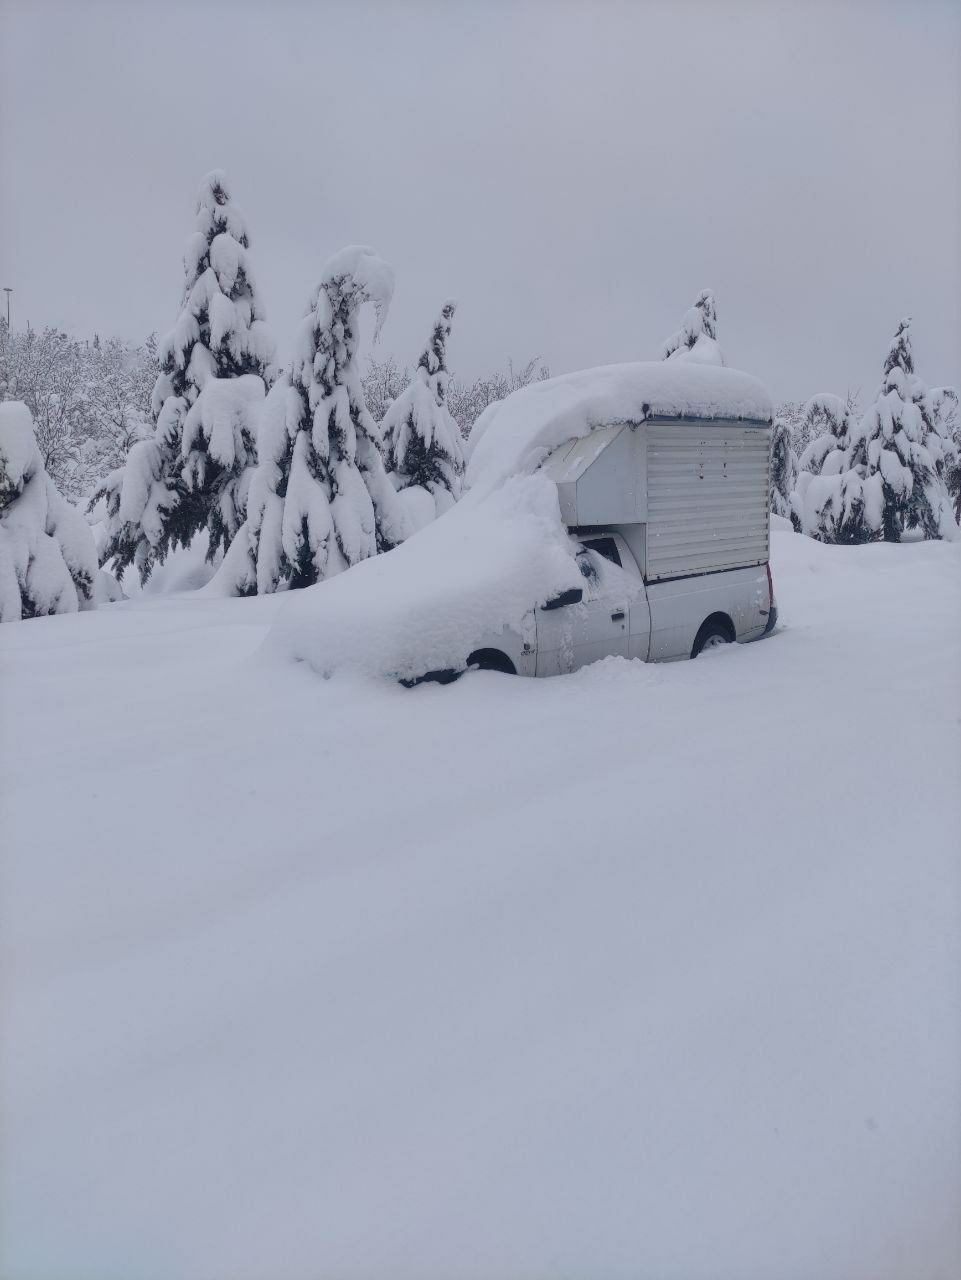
(573, 173)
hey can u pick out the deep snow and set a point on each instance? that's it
(646, 971)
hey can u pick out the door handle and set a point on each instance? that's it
(617, 617)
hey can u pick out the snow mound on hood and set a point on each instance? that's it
(425, 605)
(516, 434)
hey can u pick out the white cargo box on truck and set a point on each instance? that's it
(676, 453)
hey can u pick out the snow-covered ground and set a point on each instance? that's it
(647, 971)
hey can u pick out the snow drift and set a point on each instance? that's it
(645, 972)
(427, 603)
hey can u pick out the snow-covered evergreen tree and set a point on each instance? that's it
(827, 501)
(186, 478)
(784, 466)
(944, 407)
(422, 442)
(321, 499)
(828, 423)
(899, 448)
(700, 321)
(48, 562)
(858, 482)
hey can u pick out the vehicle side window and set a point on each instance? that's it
(604, 574)
(605, 547)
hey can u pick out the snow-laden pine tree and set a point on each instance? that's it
(193, 472)
(48, 561)
(944, 408)
(699, 323)
(827, 500)
(422, 442)
(320, 499)
(899, 449)
(828, 422)
(784, 466)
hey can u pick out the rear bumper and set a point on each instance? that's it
(771, 622)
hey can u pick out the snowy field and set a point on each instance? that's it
(650, 971)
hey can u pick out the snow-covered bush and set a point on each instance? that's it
(320, 499)
(48, 562)
(699, 321)
(422, 442)
(179, 482)
(784, 467)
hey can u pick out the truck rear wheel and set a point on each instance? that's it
(716, 630)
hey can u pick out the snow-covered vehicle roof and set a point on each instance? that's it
(516, 435)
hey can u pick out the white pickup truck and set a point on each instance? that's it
(663, 481)
(616, 613)
(618, 511)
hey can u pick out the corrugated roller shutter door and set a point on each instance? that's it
(707, 497)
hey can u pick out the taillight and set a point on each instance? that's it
(770, 587)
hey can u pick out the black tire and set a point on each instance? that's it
(715, 631)
(491, 660)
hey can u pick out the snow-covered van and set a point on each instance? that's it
(617, 511)
(663, 483)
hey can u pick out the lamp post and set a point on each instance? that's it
(8, 293)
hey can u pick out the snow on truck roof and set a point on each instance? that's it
(516, 434)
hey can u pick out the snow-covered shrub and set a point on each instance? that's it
(900, 449)
(784, 467)
(320, 499)
(48, 562)
(422, 442)
(699, 321)
(178, 482)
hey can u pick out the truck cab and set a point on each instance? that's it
(617, 614)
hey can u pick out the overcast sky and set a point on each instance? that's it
(573, 173)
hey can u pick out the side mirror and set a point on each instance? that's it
(573, 595)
